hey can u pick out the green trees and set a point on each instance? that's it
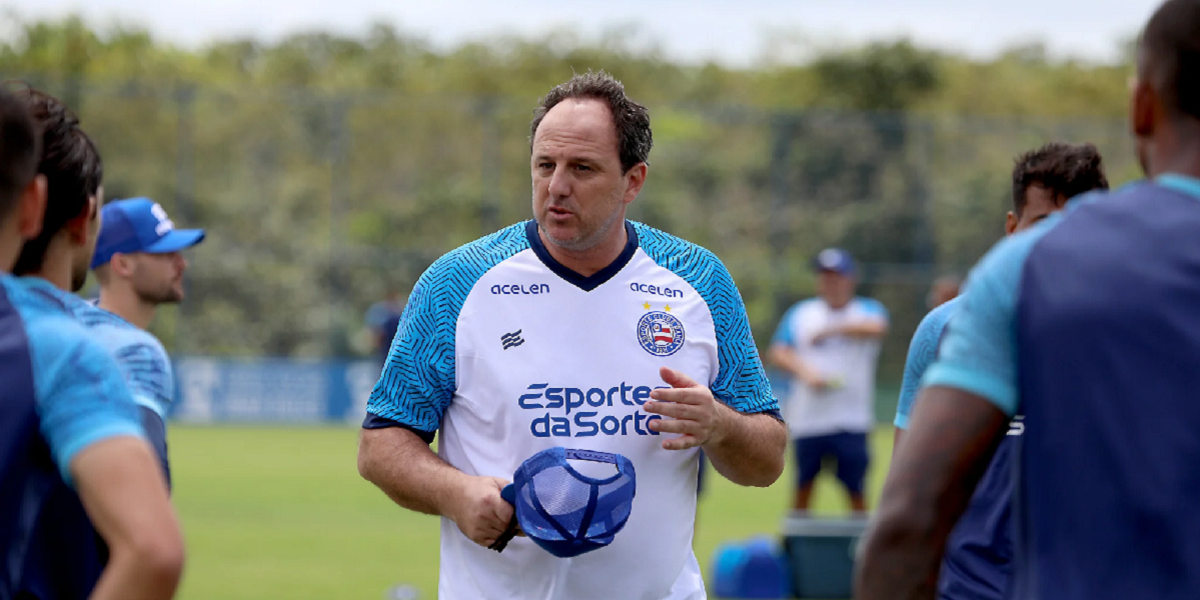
(329, 168)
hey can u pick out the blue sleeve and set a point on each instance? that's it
(741, 381)
(418, 380)
(979, 353)
(147, 371)
(874, 308)
(82, 398)
(784, 331)
(921, 353)
(156, 434)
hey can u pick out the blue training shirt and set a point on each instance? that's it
(977, 564)
(1088, 324)
(62, 392)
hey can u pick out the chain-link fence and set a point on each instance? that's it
(316, 204)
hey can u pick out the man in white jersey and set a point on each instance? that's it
(830, 345)
(582, 330)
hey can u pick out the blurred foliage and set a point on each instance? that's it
(328, 169)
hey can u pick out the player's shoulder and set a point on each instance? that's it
(693, 263)
(935, 320)
(471, 260)
(870, 306)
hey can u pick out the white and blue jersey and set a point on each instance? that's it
(505, 353)
(847, 363)
(1088, 324)
(977, 564)
(62, 392)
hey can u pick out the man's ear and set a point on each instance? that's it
(77, 226)
(31, 211)
(1010, 223)
(122, 264)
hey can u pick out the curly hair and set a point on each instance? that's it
(1067, 170)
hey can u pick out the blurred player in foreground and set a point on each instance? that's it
(562, 331)
(1087, 324)
(830, 346)
(73, 458)
(978, 560)
(74, 172)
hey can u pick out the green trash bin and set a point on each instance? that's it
(821, 555)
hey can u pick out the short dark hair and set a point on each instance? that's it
(20, 147)
(1067, 170)
(632, 120)
(1171, 43)
(72, 166)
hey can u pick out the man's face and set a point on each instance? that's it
(579, 191)
(82, 261)
(1040, 203)
(158, 278)
(836, 289)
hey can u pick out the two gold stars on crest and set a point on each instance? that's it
(666, 307)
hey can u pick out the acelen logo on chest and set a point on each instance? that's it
(585, 422)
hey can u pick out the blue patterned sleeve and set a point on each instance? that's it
(979, 353)
(82, 397)
(418, 380)
(148, 373)
(921, 353)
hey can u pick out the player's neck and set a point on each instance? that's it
(593, 260)
(10, 249)
(56, 266)
(1179, 151)
(126, 304)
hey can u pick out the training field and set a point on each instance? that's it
(282, 513)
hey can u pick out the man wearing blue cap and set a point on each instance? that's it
(830, 345)
(138, 259)
(84, 511)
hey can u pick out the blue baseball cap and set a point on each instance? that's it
(140, 225)
(834, 260)
(562, 510)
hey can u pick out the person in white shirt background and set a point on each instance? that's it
(829, 345)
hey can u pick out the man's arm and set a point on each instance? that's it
(747, 449)
(871, 328)
(951, 440)
(402, 465)
(125, 496)
(782, 356)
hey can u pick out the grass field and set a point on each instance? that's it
(281, 513)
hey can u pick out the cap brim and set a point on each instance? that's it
(176, 240)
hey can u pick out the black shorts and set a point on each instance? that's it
(849, 449)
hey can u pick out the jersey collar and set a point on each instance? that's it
(1180, 183)
(591, 282)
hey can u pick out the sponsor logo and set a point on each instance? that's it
(585, 422)
(519, 290)
(656, 290)
(1017, 425)
(511, 340)
(660, 333)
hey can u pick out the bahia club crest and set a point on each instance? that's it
(660, 333)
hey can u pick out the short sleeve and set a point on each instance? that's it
(741, 380)
(978, 354)
(784, 332)
(875, 309)
(922, 351)
(148, 373)
(417, 382)
(82, 397)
